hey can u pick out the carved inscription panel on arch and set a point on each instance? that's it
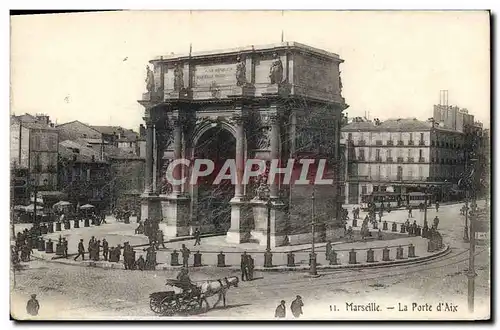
(208, 75)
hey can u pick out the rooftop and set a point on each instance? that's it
(400, 125)
(248, 49)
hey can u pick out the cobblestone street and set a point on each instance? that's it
(75, 292)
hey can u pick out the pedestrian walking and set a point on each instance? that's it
(329, 247)
(244, 266)
(65, 247)
(410, 214)
(185, 255)
(105, 249)
(81, 250)
(296, 307)
(197, 237)
(33, 306)
(436, 222)
(160, 240)
(280, 310)
(437, 206)
(97, 250)
(380, 214)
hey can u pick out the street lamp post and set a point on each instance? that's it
(471, 273)
(35, 193)
(268, 256)
(312, 257)
(466, 228)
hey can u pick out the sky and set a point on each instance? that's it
(91, 66)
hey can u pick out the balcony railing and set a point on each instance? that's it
(361, 142)
(400, 159)
(361, 158)
(390, 142)
(378, 142)
(421, 160)
(378, 159)
(411, 160)
(400, 143)
(421, 143)
(411, 142)
(389, 159)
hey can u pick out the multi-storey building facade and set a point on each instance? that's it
(34, 147)
(400, 155)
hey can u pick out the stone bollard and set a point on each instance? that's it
(49, 247)
(394, 227)
(403, 228)
(76, 223)
(354, 222)
(86, 222)
(58, 226)
(41, 244)
(399, 253)
(370, 256)
(333, 258)
(59, 249)
(221, 260)
(174, 258)
(430, 246)
(290, 257)
(352, 257)
(385, 254)
(67, 225)
(197, 259)
(411, 251)
(384, 226)
(50, 228)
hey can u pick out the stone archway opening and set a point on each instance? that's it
(213, 208)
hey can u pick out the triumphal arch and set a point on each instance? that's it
(280, 101)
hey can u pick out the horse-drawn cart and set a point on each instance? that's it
(169, 302)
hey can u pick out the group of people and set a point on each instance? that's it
(247, 267)
(113, 254)
(295, 307)
(24, 244)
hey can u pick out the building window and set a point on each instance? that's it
(377, 155)
(362, 154)
(420, 153)
(378, 172)
(411, 136)
(409, 153)
(389, 153)
(420, 172)
(364, 190)
(421, 136)
(410, 173)
(349, 137)
(388, 171)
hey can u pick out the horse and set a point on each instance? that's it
(212, 287)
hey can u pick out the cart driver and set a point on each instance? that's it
(183, 278)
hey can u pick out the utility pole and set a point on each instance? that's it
(466, 229)
(471, 273)
(268, 256)
(312, 257)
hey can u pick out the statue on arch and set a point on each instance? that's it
(178, 78)
(150, 79)
(241, 72)
(276, 70)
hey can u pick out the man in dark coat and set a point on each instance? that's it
(105, 249)
(280, 310)
(81, 250)
(437, 206)
(32, 306)
(410, 214)
(296, 307)
(185, 255)
(65, 247)
(250, 267)
(244, 266)
(197, 238)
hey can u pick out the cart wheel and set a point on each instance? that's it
(156, 306)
